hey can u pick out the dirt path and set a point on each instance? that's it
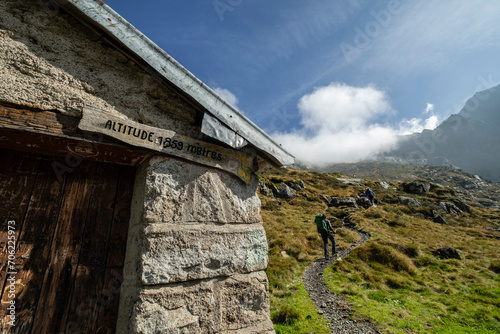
(334, 308)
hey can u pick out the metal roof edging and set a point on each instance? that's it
(111, 22)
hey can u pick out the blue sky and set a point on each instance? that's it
(333, 81)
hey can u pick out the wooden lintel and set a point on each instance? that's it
(167, 142)
(50, 133)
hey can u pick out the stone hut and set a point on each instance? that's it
(128, 187)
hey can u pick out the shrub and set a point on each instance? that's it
(348, 236)
(444, 192)
(276, 180)
(373, 214)
(400, 221)
(495, 266)
(412, 250)
(285, 314)
(386, 255)
(395, 283)
(337, 212)
(271, 205)
(426, 260)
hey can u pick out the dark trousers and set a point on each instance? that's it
(325, 236)
(372, 199)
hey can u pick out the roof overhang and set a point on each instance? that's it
(101, 17)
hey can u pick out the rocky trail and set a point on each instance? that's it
(334, 308)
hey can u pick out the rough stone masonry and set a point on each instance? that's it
(196, 250)
(196, 253)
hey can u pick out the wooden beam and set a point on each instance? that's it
(50, 133)
(167, 142)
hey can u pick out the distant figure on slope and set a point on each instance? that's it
(324, 227)
(371, 195)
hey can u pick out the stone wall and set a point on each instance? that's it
(50, 60)
(196, 253)
(197, 249)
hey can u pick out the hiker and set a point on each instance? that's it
(371, 195)
(324, 227)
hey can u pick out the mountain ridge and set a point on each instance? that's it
(469, 139)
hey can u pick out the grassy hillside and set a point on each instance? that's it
(479, 191)
(396, 278)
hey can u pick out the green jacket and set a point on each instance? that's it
(321, 224)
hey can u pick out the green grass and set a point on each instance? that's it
(294, 312)
(422, 303)
(395, 278)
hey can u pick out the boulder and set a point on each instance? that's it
(408, 201)
(343, 201)
(448, 253)
(450, 208)
(384, 185)
(285, 254)
(462, 205)
(326, 198)
(305, 195)
(275, 190)
(417, 187)
(283, 191)
(363, 202)
(264, 190)
(438, 218)
(294, 186)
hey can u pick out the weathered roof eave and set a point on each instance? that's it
(101, 16)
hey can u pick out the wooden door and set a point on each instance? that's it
(62, 244)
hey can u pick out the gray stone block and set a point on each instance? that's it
(238, 304)
(178, 192)
(183, 253)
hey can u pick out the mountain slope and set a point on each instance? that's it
(471, 187)
(469, 139)
(396, 278)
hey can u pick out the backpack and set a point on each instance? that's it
(320, 223)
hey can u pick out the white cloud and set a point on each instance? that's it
(341, 107)
(227, 95)
(429, 108)
(432, 122)
(339, 125)
(415, 125)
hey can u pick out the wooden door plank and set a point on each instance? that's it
(16, 184)
(61, 271)
(109, 301)
(118, 237)
(108, 309)
(78, 231)
(34, 244)
(87, 294)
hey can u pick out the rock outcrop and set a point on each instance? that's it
(343, 201)
(448, 253)
(409, 201)
(364, 202)
(450, 208)
(417, 187)
(284, 191)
